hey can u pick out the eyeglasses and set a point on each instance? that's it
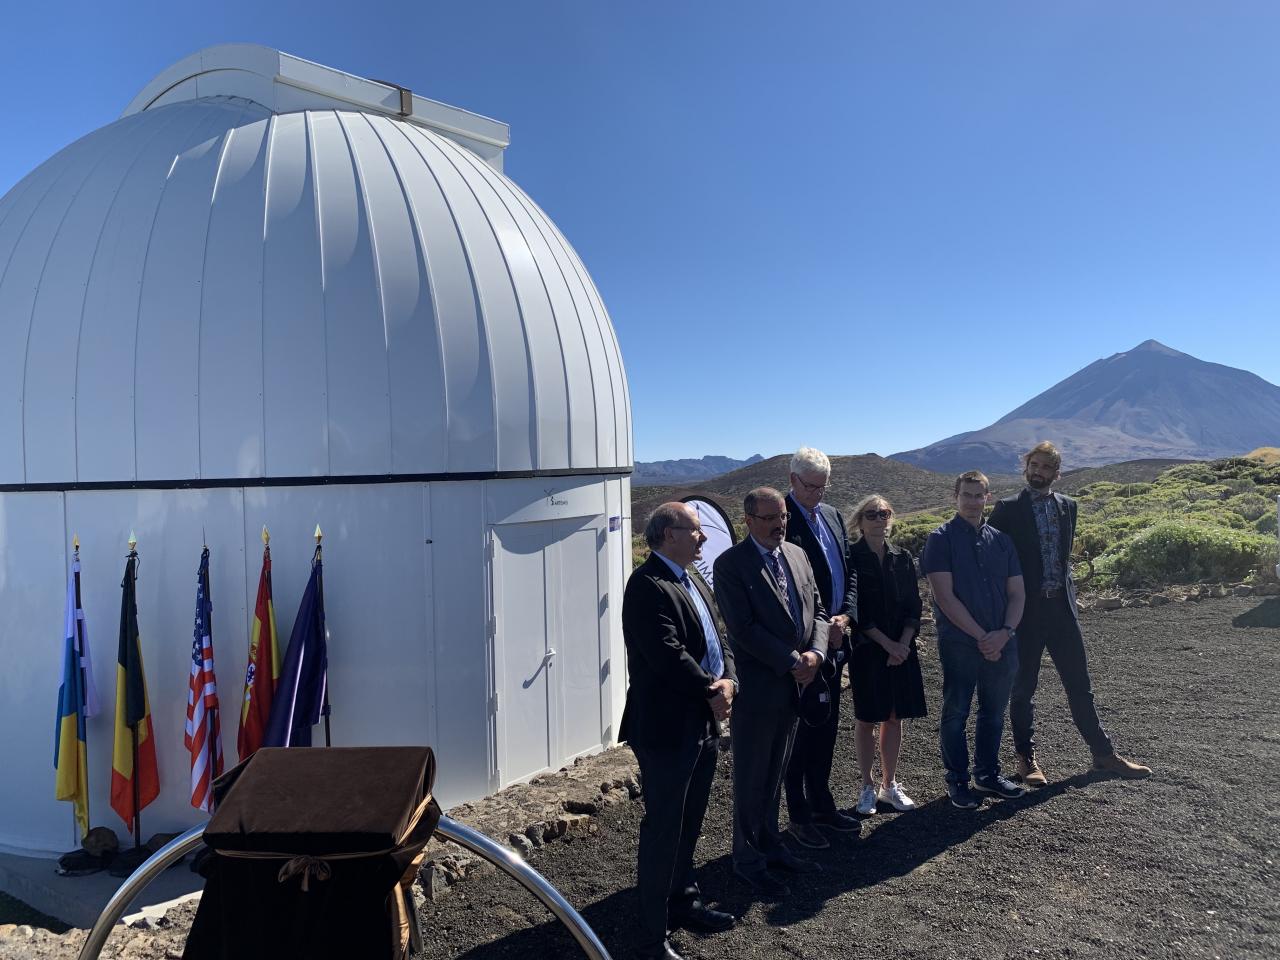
(876, 514)
(809, 486)
(771, 517)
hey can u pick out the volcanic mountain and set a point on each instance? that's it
(1148, 402)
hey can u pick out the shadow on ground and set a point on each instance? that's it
(1265, 614)
(895, 848)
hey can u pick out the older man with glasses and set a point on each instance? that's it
(818, 529)
(682, 688)
(778, 631)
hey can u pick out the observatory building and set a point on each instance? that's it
(276, 294)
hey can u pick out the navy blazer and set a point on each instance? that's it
(1016, 517)
(801, 534)
(667, 700)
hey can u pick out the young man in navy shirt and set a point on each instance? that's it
(978, 596)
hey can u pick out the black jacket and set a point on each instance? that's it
(667, 700)
(890, 602)
(1016, 517)
(801, 534)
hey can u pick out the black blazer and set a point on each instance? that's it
(888, 603)
(801, 534)
(667, 700)
(1015, 516)
(759, 616)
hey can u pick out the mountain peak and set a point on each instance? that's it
(1155, 346)
(1148, 402)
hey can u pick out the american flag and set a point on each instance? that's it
(203, 735)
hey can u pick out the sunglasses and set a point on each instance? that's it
(876, 514)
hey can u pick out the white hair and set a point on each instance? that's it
(808, 460)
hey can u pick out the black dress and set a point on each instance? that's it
(889, 600)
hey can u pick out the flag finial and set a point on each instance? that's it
(266, 537)
(319, 535)
(75, 541)
(133, 541)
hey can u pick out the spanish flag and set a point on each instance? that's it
(132, 788)
(263, 671)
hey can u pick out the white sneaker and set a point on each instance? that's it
(866, 801)
(893, 795)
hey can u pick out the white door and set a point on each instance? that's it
(523, 657)
(547, 581)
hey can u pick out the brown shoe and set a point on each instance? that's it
(1029, 771)
(1115, 764)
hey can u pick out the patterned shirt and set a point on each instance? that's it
(1045, 508)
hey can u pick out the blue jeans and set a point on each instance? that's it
(965, 670)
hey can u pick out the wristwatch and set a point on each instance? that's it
(1013, 634)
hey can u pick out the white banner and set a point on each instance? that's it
(719, 532)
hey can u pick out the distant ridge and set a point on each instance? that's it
(1151, 402)
(686, 471)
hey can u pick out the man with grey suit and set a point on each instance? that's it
(769, 599)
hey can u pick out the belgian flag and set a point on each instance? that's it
(135, 779)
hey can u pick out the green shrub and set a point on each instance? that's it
(1187, 551)
(1266, 523)
(1250, 505)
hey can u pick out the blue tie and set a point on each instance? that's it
(713, 661)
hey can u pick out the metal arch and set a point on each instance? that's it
(502, 857)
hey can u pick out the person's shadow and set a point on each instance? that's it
(1265, 614)
(895, 848)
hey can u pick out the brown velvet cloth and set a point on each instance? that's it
(313, 851)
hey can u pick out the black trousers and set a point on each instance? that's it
(676, 782)
(1048, 624)
(808, 777)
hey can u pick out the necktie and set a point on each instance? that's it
(780, 575)
(713, 661)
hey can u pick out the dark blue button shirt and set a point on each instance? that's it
(980, 561)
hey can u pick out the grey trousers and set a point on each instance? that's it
(763, 726)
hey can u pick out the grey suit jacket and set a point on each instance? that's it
(757, 614)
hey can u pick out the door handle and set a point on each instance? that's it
(549, 656)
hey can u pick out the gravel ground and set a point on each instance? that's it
(1181, 865)
(1178, 866)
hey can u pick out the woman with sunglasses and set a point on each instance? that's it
(884, 668)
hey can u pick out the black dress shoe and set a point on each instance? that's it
(701, 918)
(663, 951)
(835, 820)
(764, 883)
(807, 835)
(784, 859)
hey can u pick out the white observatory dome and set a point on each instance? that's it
(263, 270)
(275, 295)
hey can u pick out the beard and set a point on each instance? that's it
(1038, 483)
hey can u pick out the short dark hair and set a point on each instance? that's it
(1047, 449)
(972, 476)
(755, 496)
(662, 519)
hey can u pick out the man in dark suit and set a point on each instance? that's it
(683, 685)
(1042, 525)
(818, 529)
(778, 630)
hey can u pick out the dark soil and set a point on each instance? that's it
(1181, 865)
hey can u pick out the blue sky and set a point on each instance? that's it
(859, 226)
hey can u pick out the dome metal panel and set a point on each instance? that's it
(206, 290)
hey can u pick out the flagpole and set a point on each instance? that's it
(84, 680)
(133, 728)
(319, 535)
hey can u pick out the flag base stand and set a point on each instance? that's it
(128, 861)
(81, 863)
